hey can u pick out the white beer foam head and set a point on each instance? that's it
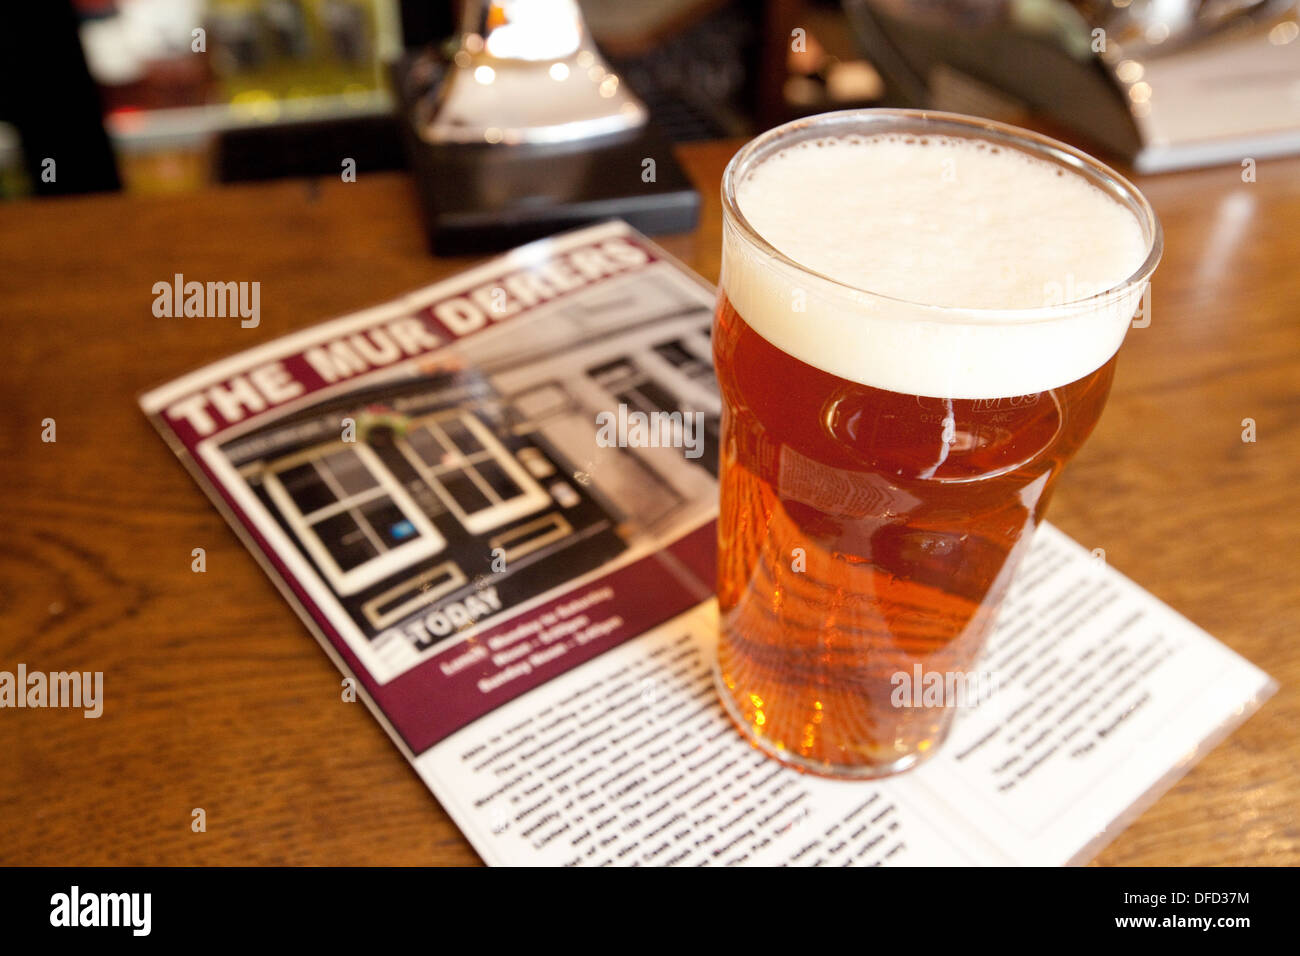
(944, 266)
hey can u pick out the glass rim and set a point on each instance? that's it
(957, 124)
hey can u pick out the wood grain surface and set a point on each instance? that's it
(218, 698)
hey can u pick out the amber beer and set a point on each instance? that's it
(916, 330)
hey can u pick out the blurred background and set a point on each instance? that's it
(175, 95)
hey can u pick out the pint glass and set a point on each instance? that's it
(916, 329)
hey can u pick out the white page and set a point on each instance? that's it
(647, 768)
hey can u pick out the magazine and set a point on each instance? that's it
(446, 489)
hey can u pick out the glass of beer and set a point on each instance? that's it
(916, 329)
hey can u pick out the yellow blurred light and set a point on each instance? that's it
(485, 75)
(356, 93)
(259, 105)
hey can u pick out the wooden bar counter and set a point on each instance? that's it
(216, 695)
